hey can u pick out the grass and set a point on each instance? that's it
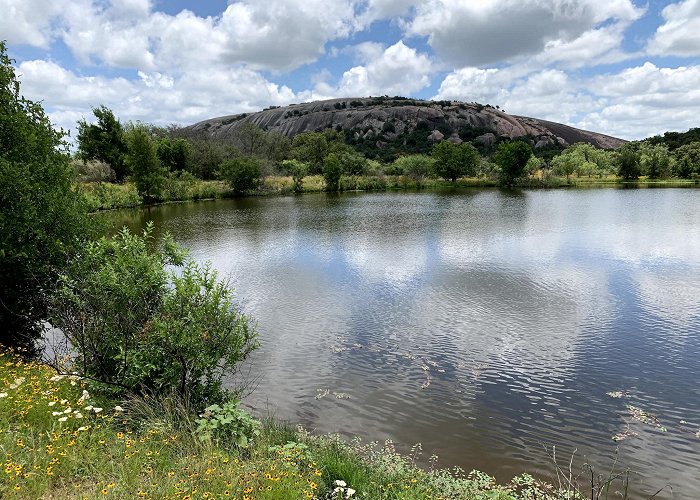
(109, 196)
(61, 441)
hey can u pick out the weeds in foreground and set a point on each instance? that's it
(61, 441)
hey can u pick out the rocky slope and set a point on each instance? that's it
(383, 120)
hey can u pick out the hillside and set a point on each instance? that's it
(379, 126)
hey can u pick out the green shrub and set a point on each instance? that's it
(129, 322)
(242, 173)
(227, 424)
(332, 171)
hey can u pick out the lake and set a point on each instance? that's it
(486, 325)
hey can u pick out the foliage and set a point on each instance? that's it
(332, 171)
(227, 424)
(174, 154)
(104, 141)
(43, 218)
(207, 155)
(130, 323)
(453, 161)
(142, 159)
(93, 171)
(628, 162)
(352, 162)
(310, 148)
(242, 173)
(416, 166)
(108, 196)
(655, 161)
(583, 159)
(687, 160)
(512, 157)
(298, 171)
(675, 140)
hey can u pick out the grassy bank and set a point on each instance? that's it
(61, 441)
(109, 196)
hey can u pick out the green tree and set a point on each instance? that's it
(298, 171)
(104, 141)
(242, 173)
(418, 167)
(142, 159)
(352, 162)
(512, 157)
(130, 322)
(43, 218)
(687, 160)
(332, 171)
(628, 162)
(453, 161)
(174, 154)
(655, 161)
(310, 148)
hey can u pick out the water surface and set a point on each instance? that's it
(487, 325)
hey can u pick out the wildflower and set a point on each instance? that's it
(83, 428)
(3, 395)
(118, 408)
(56, 413)
(97, 410)
(350, 492)
(85, 396)
(77, 414)
(63, 419)
(64, 401)
(51, 403)
(341, 483)
(68, 410)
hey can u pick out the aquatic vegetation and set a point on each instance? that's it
(617, 394)
(644, 417)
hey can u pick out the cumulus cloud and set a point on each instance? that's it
(395, 70)
(29, 21)
(155, 97)
(679, 35)
(466, 33)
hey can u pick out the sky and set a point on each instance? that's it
(626, 68)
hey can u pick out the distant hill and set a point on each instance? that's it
(384, 126)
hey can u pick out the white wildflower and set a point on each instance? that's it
(350, 492)
(68, 410)
(77, 414)
(64, 401)
(56, 413)
(85, 396)
(83, 428)
(56, 378)
(338, 489)
(51, 403)
(89, 408)
(3, 395)
(97, 410)
(118, 408)
(341, 483)
(63, 419)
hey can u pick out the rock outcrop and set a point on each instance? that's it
(385, 119)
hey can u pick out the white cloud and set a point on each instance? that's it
(28, 21)
(398, 69)
(157, 98)
(679, 35)
(467, 33)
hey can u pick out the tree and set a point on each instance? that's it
(453, 161)
(103, 141)
(512, 157)
(655, 161)
(43, 218)
(142, 160)
(416, 166)
(687, 161)
(298, 171)
(242, 173)
(332, 171)
(130, 322)
(352, 162)
(174, 154)
(628, 162)
(311, 148)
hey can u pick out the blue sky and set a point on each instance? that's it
(622, 67)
